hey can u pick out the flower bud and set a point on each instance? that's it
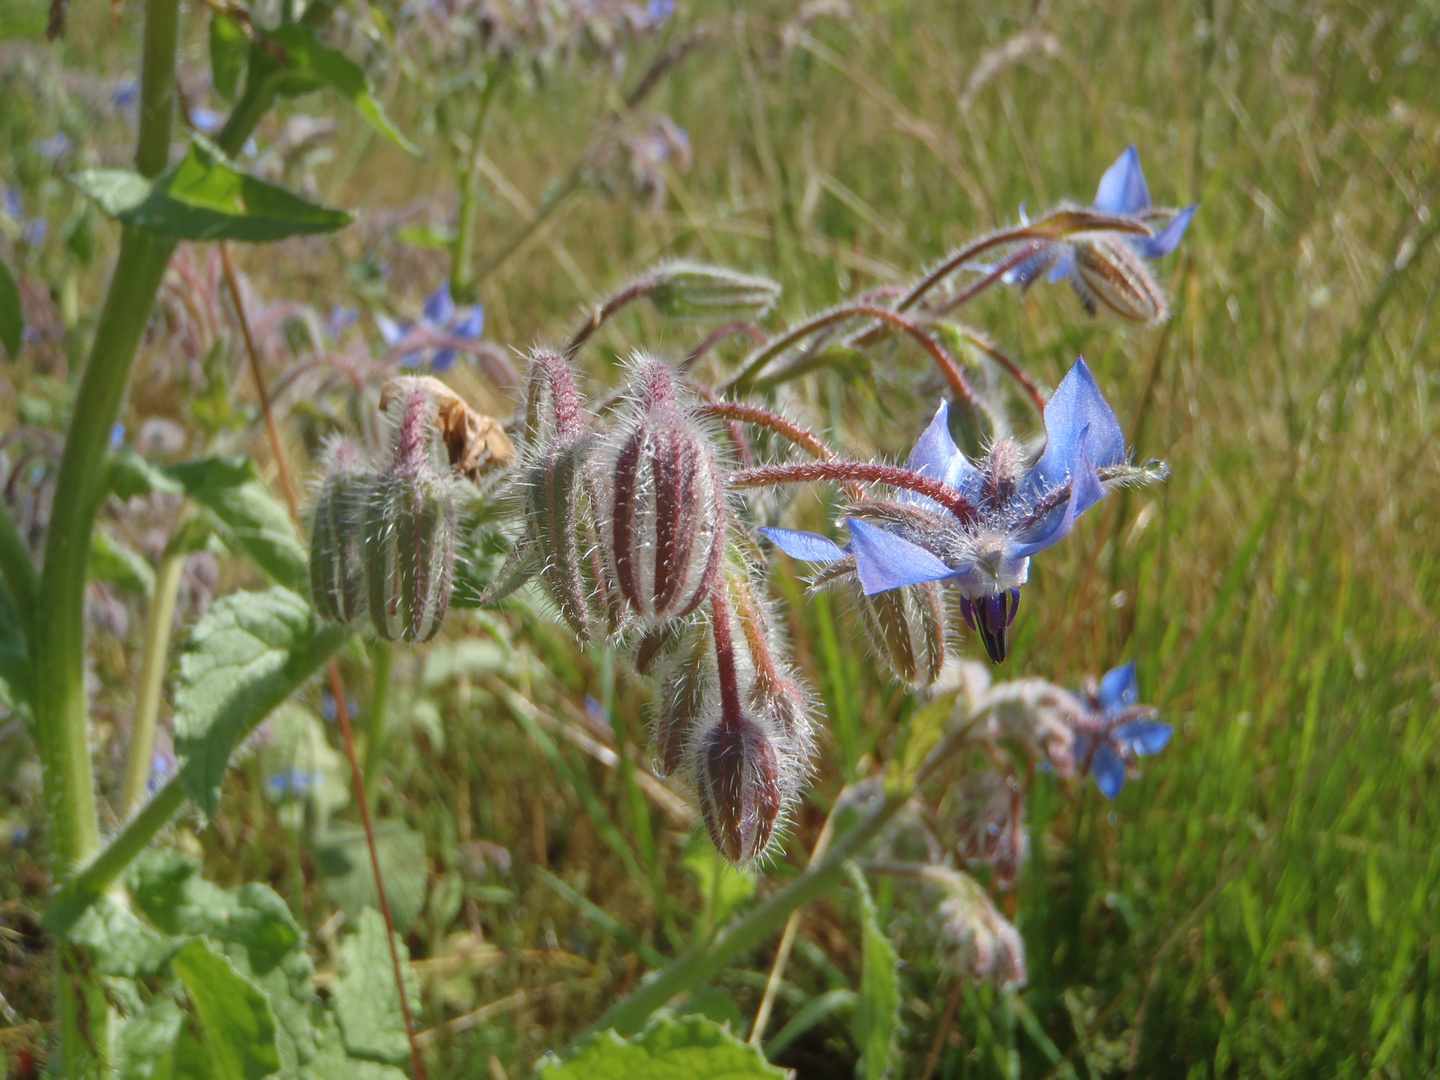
(667, 525)
(688, 290)
(1109, 270)
(740, 798)
(409, 534)
(908, 629)
(987, 945)
(337, 567)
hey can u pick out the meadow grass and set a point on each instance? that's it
(1263, 902)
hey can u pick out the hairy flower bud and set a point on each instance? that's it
(908, 629)
(337, 568)
(987, 945)
(667, 525)
(689, 290)
(409, 533)
(1109, 269)
(740, 797)
(560, 487)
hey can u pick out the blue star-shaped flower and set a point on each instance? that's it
(443, 329)
(1108, 267)
(1119, 730)
(1006, 515)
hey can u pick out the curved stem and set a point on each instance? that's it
(630, 293)
(842, 472)
(763, 418)
(990, 349)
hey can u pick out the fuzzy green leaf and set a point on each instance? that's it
(313, 65)
(247, 655)
(147, 1045)
(12, 315)
(690, 1048)
(119, 943)
(235, 1019)
(119, 564)
(232, 490)
(343, 862)
(204, 197)
(366, 1001)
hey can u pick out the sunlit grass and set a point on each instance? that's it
(1264, 900)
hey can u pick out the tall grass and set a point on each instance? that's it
(1264, 902)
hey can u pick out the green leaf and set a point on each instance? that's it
(113, 561)
(232, 490)
(691, 1048)
(333, 1063)
(248, 653)
(922, 735)
(876, 1013)
(343, 862)
(313, 65)
(130, 475)
(204, 197)
(12, 315)
(235, 1019)
(813, 1012)
(228, 52)
(119, 943)
(366, 1001)
(146, 1047)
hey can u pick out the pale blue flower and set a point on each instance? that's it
(205, 120)
(1008, 515)
(1103, 266)
(1120, 730)
(442, 330)
(53, 148)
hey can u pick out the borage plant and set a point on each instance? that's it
(639, 515)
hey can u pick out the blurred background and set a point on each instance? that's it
(1263, 901)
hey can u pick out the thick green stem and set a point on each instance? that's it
(152, 680)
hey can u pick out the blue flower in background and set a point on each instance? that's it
(1120, 730)
(117, 436)
(162, 764)
(53, 148)
(339, 320)
(1012, 515)
(206, 121)
(126, 93)
(32, 230)
(443, 329)
(294, 784)
(1109, 267)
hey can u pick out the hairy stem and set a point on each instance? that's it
(630, 293)
(763, 418)
(843, 472)
(152, 679)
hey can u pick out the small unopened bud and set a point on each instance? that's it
(689, 290)
(908, 629)
(1109, 270)
(987, 945)
(337, 566)
(410, 528)
(667, 526)
(737, 782)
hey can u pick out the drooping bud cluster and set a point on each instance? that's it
(689, 290)
(383, 541)
(666, 531)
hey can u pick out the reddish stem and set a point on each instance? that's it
(842, 472)
(990, 349)
(762, 418)
(634, 291)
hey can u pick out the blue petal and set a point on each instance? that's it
(443, 360)
(1077, 410)
(811, 547)
(1108, 770)
(439, 308)
(1122, 188)
(1034, 266)
(886, 561)
(410, 359)
(1064, 266)
(935, 455)
(1119, 688)
(470, 325)
(1144, 737)
(1085, 491)
(1167, 239)
(391, 330)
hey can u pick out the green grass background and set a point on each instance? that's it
(1263, 902)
